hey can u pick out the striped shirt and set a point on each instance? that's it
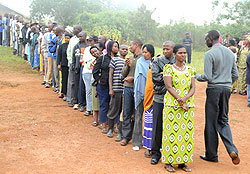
(117, 64)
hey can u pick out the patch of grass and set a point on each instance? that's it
(9, 62)
(8, 84)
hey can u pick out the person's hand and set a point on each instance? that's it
(129, 79)
(59, 67)
(185, 107)
(182, 100)
(111, 92)
(161, 73)
(128, 62)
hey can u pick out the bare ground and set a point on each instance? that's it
(39, 133)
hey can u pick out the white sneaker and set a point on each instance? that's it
(136, 148)
(75, 107)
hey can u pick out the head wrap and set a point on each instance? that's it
(68, 34)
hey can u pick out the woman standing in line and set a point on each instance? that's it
(178, 113)
(148, 104)
(242, 66)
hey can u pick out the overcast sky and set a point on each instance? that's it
(196, 11)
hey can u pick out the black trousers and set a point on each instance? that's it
(1, 38)
(65, 73)
(157, 130)
(216, 111)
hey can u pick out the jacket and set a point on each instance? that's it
(101, 70)
(157, 77)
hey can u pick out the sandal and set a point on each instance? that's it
(100, 127)
(147, 154)
(169, 168)
(184, 167)
(95, 123)
(104, 130)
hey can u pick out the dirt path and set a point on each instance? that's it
(39, 133)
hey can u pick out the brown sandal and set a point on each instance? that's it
(184, 167)
(170, 168)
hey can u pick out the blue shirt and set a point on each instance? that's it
(140, 78)
(1, 28)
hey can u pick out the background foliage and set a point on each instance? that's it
(119, 23)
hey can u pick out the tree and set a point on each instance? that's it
(62, 11)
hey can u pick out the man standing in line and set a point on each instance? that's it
(115, 91)
(128, 75)
(73, 41)
(77, 60)
(187, 41)
(45, 50)
(159, 92)
(220, 72)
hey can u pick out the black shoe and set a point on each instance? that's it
(154, 161)
(47, 85)
(43, 83)
(207, 159)
(87, 113)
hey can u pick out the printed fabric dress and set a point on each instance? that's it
(178, 124)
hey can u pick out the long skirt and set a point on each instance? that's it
(178, 135)
(148, 125)
(36, 58)
(95, 100)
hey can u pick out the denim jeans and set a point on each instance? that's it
(5, 43)
(103, 94)
(248, 93)
(128, 111)
(88, 87)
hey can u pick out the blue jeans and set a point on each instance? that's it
(81, 91)
(103, 94)
(248, 93)
(128, 110)
(5, 43)
(88, 87)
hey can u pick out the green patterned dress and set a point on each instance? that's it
(178, 124)
(242, 68)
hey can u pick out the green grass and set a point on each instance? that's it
(8, 62)
(11, 63)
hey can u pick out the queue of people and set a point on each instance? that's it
(94, 75)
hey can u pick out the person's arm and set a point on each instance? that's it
(157, 76)
(59, 56)
(235, 73)
(208, 70)
(69, 50)
(75, 52)
(111, 73)
(126, 68)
